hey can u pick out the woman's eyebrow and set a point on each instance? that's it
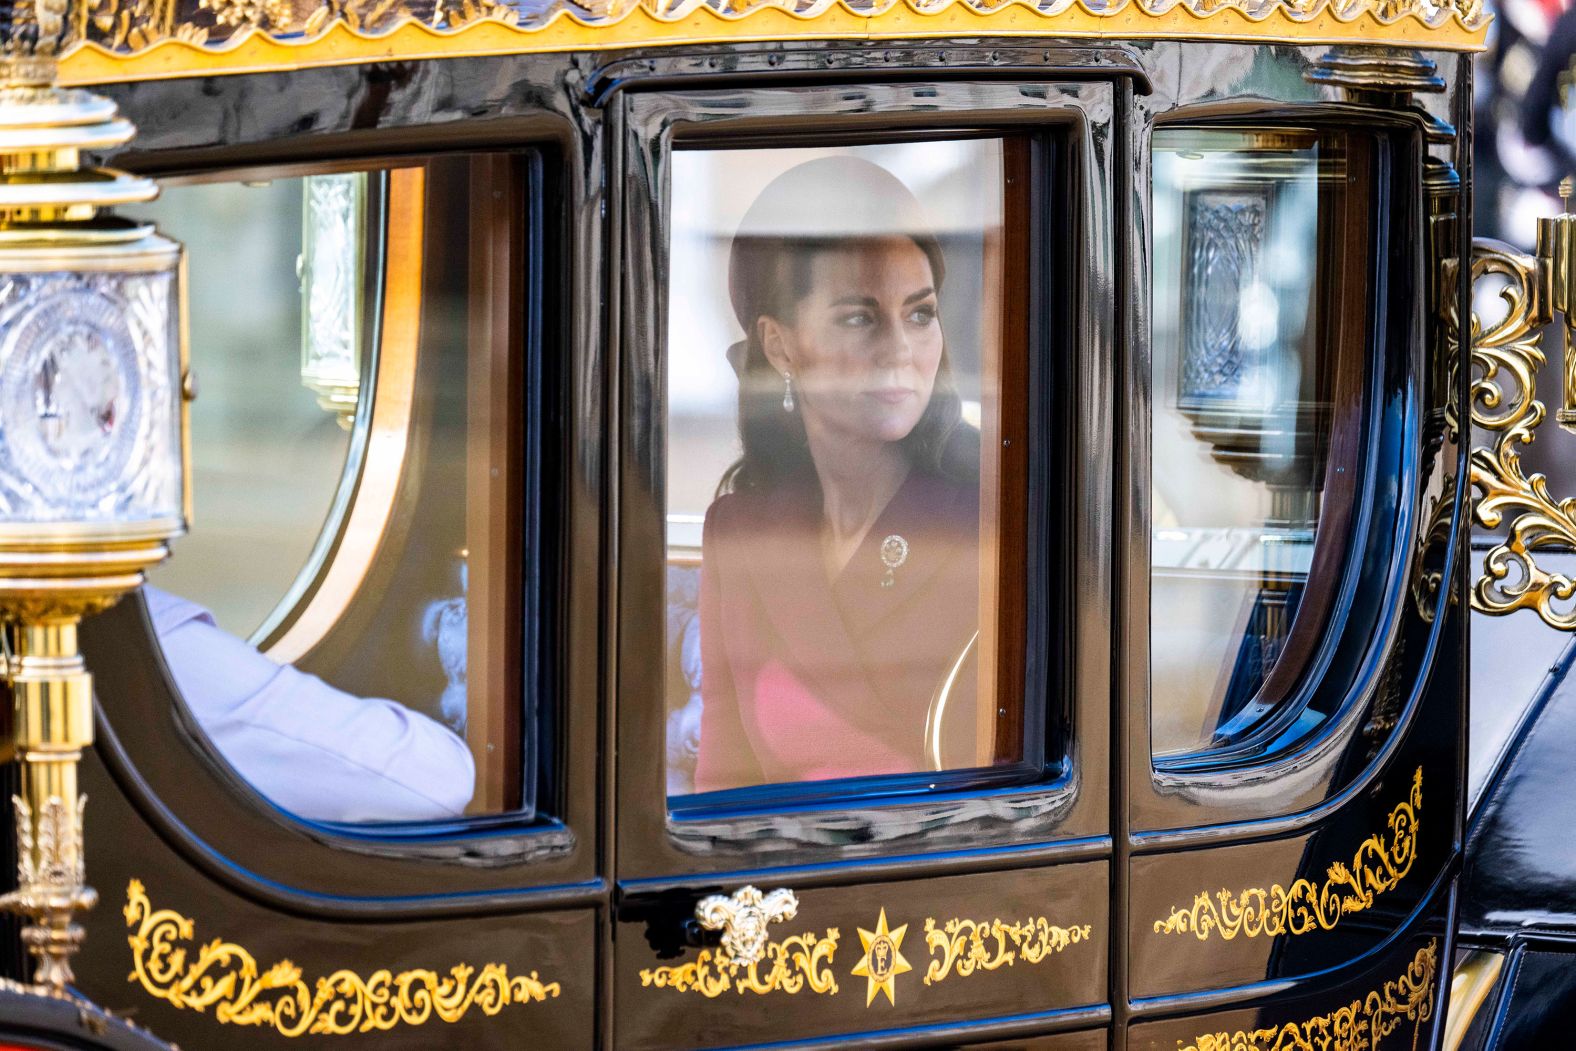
(855, 301)
(923, 293)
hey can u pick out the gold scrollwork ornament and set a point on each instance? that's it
(225, 977)
(1380, 863)
(964, 947)
(1361, 1025)
(1506, 357)
(803, 961)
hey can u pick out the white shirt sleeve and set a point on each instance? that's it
(316, 751)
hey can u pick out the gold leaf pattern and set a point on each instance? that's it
(225, 977)
(793, 964)
(1506, 357)
(1381, 861)
(1361, 1025)
(963, 947)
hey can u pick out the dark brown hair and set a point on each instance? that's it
(770, 277)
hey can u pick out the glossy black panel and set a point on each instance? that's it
(1521, 857)
(1091, 1040)
(1030, 944)
(1536, 1005)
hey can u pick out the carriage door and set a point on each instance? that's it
(1293, 674)
(863, 706)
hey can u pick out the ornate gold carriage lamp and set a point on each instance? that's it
(92, 474)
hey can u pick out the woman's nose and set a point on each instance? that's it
(894, 343)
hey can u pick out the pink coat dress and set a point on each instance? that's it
(805, 680)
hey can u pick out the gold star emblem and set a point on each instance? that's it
(882, 962)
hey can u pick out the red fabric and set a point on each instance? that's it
(805, 680)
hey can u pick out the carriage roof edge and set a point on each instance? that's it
(188, 38)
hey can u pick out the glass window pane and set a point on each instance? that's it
(343, 619)
(1259, 325)
(844, 487)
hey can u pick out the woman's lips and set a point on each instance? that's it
(890, 395)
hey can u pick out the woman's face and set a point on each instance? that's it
(864, 345)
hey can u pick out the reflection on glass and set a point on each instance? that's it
(333, 261)
(1248, 325)
(266, 460)
(357, 490)
(835, 607)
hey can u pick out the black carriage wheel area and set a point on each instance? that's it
(1130, 716)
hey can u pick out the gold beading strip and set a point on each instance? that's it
(128, 40)
(1361, 1025)
(1379, 864)
(227, 978)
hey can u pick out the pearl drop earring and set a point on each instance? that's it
(787, 392)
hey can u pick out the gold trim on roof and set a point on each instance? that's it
(123, 40)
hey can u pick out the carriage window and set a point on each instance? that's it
(1260, 295)
(845, 463)
(344, 618)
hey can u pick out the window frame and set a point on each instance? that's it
(1358, 640)
(926, 811)
(547, 857)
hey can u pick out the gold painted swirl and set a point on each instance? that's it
(225, 977)
(1380, 863)
(792, 965)
(964, 946)
(1361, 1025)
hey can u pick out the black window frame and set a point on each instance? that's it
(1026, 802)
(1357, 651)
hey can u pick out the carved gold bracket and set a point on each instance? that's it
(1506, 357)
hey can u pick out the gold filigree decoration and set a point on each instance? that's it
(225, 977)
(803, 961)
(147, 39)
(1380, 863)
(1361, 1025)
(1506, 357)
(964, 947)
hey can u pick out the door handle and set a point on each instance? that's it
(743, 919)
